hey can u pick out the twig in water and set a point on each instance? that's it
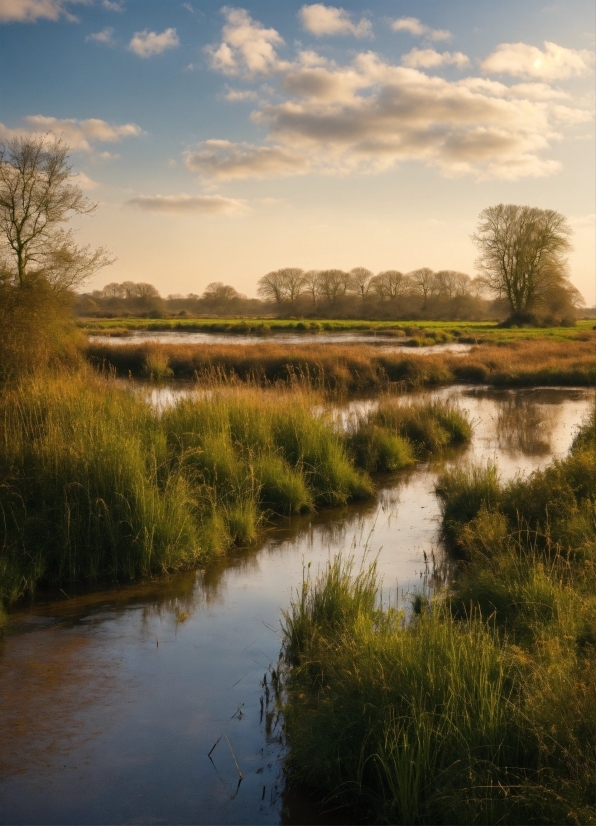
(240, 775)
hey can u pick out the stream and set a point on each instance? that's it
(111, 701)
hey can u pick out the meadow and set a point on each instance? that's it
(439, 331)
(98, 486)
(479, 706)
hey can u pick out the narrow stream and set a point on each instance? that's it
(110, 702)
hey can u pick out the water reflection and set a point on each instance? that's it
(111, 701)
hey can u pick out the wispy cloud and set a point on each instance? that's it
(189, 204)
(224, 160)
(28, 11)
(113, 5)
(322, 20)
(148, 44)
(418, 29)
(105, 37)
(553, 63)
(430, 59)
(80, 135)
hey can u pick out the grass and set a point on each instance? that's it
(430, 330)
(352, 368)
(479, 708)
(96, 485)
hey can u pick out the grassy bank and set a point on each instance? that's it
(430, 330)
(480, 708)
(353, 368)
(97, 486)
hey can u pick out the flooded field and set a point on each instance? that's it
(385, 342)
(147, 703)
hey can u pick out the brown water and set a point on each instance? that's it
(111, 701)
(385, 343)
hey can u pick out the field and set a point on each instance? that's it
(439, 331)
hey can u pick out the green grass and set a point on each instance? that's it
(479, 707)
(428, 331)
(96, 485)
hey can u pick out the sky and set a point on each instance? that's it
(222, 142)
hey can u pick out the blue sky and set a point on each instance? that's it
(225, 141)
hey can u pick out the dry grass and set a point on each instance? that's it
(353, 368)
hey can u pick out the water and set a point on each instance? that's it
(111, 701)
(385, 343)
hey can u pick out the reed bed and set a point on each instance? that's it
(353, 368)
(480, 707)
(97, 485)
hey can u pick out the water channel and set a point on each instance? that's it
(111, 701)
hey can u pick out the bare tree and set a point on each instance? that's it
(390, 284)
(424, 283)
(312, 285)
(37, 197)
(333, 284)
(523, 253)
(219, 293)
(112, 290)
(145, 290)
(360, 281)
(293, 280)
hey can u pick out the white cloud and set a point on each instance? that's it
(80, 135)
(113, 5)
(429, 59)
(223, 160)
(247, 47)
(105, 37)
(87, 183)
(188, 204)
(147, 44)
(554, 63)
(234, 95)
(28, 11)
(418, 29)
(580, 223)
(321, 20)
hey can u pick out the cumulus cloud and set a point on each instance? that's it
(552, 63)
(28, 11)
(371, 115)
(322, 20)
(429, 59)
(80, 135)
(246, 48)
(87, 183)
(147, 44)
(418, 29)
(113, 5)
(225, 160)
(188, 204)
(105, 37)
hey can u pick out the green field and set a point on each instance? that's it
(433, 330)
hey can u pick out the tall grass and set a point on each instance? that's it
(349, 368)
(96, 485)
(480, 707)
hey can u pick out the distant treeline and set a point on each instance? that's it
(421, 294)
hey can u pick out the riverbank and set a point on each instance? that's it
(480, 708)
(99, 486)
(358, 368)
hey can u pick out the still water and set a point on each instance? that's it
(110, 702)
(384, 342)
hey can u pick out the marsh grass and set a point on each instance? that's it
(479, 708)
(353, 368)
(97, 485)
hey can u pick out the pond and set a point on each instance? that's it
(111, 701)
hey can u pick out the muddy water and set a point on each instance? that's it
(110, 702)
(386, 343)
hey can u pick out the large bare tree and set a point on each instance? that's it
(37, 198)
(282, 285)
(523, 253)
